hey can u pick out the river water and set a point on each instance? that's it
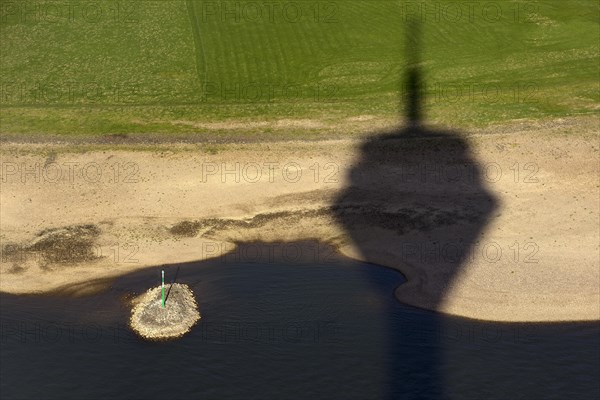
(272, 331)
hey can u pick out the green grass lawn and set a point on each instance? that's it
(170, 66)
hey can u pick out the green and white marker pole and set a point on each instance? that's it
(163, 288)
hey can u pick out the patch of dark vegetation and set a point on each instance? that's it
(17, 255)
(16, 269)
(401, 221)
(66, 245)
(191, 228)
(405, 220)
(260, 220)
(186, 228)
(12, 252)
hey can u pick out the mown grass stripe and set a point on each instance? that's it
(200, 54)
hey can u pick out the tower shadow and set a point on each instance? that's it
(415, 200)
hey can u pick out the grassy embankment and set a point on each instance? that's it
(182, 67)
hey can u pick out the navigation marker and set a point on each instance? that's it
(163, 288)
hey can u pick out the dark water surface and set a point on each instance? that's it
(331, 331)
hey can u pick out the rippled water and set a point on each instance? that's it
(270, 331)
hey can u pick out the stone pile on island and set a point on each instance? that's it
(151, 320)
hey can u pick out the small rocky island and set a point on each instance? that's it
(151, 320)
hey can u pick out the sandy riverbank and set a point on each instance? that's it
(74, 215)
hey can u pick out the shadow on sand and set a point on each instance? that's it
(415, 196)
